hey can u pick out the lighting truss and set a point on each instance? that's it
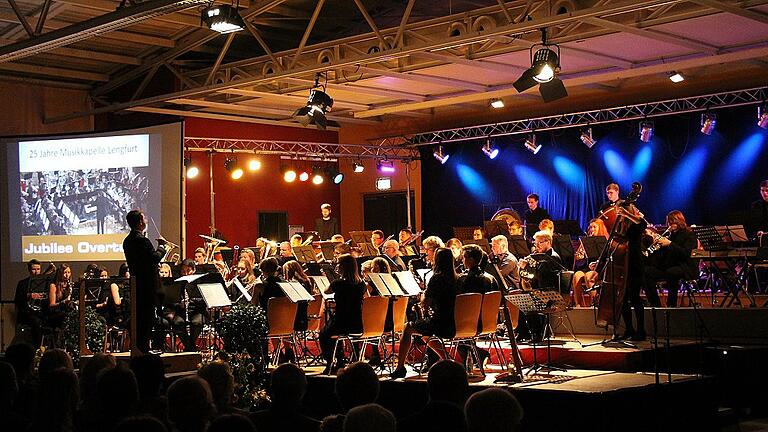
(610, 115)
(302, 149)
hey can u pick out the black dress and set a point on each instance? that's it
(441, 293)
(348, 315)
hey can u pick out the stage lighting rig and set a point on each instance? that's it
(385, 166)
(708, 123)
(318, 105)
(645, 131)
(290, 175)
(762, 116)
(587, 138)
(530, 144)
(223, 18)
(440, 155)
(358, 167)
(192, 170)
(490, 150)
(545, 66)
(230, 164)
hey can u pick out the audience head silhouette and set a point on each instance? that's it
(218, 375)
(356, 384)
(369, 418)
(493, 409)
(190, 404)
(447, 381)
(288, 386)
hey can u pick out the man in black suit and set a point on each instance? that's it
(24, 313)
(326, 226)
(535, 214)
(142, 259)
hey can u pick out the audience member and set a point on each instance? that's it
(356, 384)
(288, 385)
(53, 359)
(447, 385)
(57, 400)
(9, 391)
(218, 375)
(190, 404)
(235, 423)
(89, 375)
(143, 423)
(22, 356)
(150, 375)
(493, 409)
(370, 418)
(118, 396)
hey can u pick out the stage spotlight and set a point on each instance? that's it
(386, 166)
(497, 103)
(254, 164)
(304, 176)
(222, 18)
(587, 138)
(192, 170)
(230, 163)
(318, 104)
(645, 131)
(490, 150)
(337, 177)
(762, 116)
(383, 183)
(545, 65)
(530, 144)
(289, 176)
(358, 167)
(440, 155)
(676, 77)
(708, 123)
(317, 179)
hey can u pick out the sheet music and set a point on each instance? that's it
(242, 289)
(408, 282)
(190, 278)
(394, 287)
(301, 291)
(294, 291)
(214, 295)
(381, 284)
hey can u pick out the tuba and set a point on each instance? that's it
(509, 216)
(169, 255)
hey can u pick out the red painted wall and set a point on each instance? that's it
(238, 202)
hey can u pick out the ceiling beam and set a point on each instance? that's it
(307, 32)
(480, 64)
(215, 116)
(509, 90)
(653, 34)
(429, 79)
(53, 71)
(371, 22)
(178, 18)
(375, 91)
(22, 19)
(88, 54)
(101, 25)
(735, 10)
(291, 99)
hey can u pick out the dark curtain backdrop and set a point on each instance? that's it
(711, 179)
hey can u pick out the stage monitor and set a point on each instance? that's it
(65, 197)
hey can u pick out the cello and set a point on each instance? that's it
(613, 263)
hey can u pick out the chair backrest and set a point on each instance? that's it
(399, 312)
(314, 308)
(374, 315)
(281, 312)
(466, 314)
(489, 314)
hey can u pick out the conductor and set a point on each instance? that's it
(142, 259)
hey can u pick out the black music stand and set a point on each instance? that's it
(464, 233)
(482, 243)
(562, 244)
(593, 245)
(568, 227)
(535, 303)
(519, 246)
(368, 250)
(496, 227)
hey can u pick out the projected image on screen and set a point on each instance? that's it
(74, 194)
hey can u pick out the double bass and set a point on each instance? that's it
(613, 263)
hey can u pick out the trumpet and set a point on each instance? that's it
(655, 245)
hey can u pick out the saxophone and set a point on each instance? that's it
(529, 271)
(655, 245)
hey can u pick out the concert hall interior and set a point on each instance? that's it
(375, 215)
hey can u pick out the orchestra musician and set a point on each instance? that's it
(59, 297)
(612, 193)
(672, 262)
(515, 228)
(164, 271)
(267, 286)
(404, 235)
(191, 314)
(296, 240)
(326, 226)
(758, 214)
(545, 276)
(474, 280)
(430, 245)
(548, 226)
(337, 238)
(507, 262)
(142, 259)
(348, 292)
(477, 234)
(199, 256)
(24, 298)
(535, 214)
(377, 239)
(634, 275)
(585, 275)
(245, 276)
(455, 246)
(109, 301)
(250, 256)
(439, 301)
(286, 253)
(392, 253)
(292, 272)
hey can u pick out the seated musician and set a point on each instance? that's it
(404, 236)
(430, 245)
(191, 315)
(286, 253)
(392, 254)
(515, 228)
(506, 261)
(544, 275)
(438, 302)
(109, 301)
(59, 297)
(26, 314)
(585, 275)
(337, 238)
(199, 256)
(377, 239)
(292, 272)
(758, 214)
(164, 270)
(245, 276)
(267, 286)
(474, 279)
(296, 240)
(348, 317)
(548, 226)
(250, 256)
(455, 246)
(672, 262)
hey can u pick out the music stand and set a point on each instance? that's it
(496, 227)
(304, 254)
(408, 283)
(368, 250)
(593, 246)
(386, 285)
(519, 246)
(409, 251)
(568, 227)
(542, 303)
(561, 243)
(307, 234)
(328, 248)
(214, 295)
(710, 238)
(483, 243)
(464, 233)
(525, 302)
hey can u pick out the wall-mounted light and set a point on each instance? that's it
(383, 183)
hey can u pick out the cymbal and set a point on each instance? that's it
(211, 239)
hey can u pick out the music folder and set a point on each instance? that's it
(408, 283)
(214, 295)
(304, 254)
(323, 284)
(295, 291)
(244, 292)
(593, 246)
(386, 284)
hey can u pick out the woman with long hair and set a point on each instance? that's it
(59, 293)
(585, 275)
(438, 303)
(348, 295)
